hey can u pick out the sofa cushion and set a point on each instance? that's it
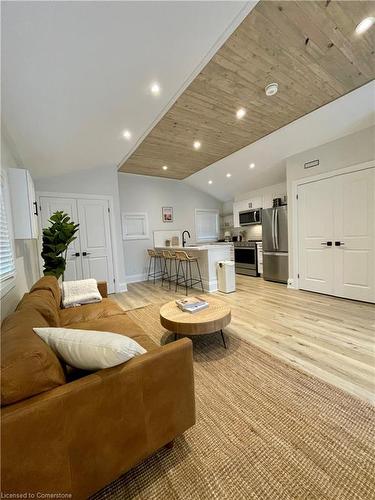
(28, 365)
(118, 324)
(44, 302)
(49, 283)
(122, 325)
(89, 312)
(90, 349)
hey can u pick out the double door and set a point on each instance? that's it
(336, 235)
(90, 255)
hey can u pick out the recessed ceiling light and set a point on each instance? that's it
(252, 165)
(271, 89)
(364, 25)
(209, 182)
(229, 175)
(241, 113)
(127, 134)
(197, 144)
(155, 88)
(164, 167)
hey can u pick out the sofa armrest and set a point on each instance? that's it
(80, 436)
(103, 289)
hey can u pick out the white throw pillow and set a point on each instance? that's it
(90, 349)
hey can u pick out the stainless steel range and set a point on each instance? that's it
(245, 257)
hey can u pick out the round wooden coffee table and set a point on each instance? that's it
(211, 320)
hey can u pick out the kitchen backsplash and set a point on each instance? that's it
(254, 232)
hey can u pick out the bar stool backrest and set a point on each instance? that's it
(182, 255)
(167, 254)
(151, 252)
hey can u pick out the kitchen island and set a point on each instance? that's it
(208, 256)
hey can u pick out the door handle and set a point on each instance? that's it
(75, 254)
(339, 243)
(85, 253)
(276, 229)
(36, 207)
(326, 243)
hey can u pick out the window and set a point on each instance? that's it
(7, 268)
(206, 224)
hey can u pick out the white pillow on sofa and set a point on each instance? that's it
(89, 349)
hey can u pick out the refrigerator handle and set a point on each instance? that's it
(276, 229)
(273, 229)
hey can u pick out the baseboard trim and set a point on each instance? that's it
(136, 278)
(122, 288)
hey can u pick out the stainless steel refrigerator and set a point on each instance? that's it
(275, 243)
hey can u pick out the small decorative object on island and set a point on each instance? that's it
(167, 214)
(56, 240)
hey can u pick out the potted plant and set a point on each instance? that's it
(56, 239)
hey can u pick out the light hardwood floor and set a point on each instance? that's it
(331, 338)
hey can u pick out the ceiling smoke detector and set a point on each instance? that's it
(271, 89)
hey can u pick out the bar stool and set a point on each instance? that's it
(167, 275)
(186, 279)
(155, 257)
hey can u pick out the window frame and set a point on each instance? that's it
(7, 284)
(212, 211)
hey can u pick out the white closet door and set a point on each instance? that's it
(48, 206)
(354, 235)
(315, 230)
(95, 238)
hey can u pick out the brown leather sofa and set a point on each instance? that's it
(73, 432)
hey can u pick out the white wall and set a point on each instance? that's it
(26, 251)
(344, 152)
(139, 193)
(100, 181)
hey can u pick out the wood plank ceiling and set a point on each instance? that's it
(309, 48)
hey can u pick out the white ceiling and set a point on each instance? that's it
(76, 74)
(346, 115)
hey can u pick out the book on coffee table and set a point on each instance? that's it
(192, 304)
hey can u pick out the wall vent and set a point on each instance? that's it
(311, 164)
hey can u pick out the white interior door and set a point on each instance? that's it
(354, 235)
(315, 229)
(95, 236)
(336, 225)
(48, 206)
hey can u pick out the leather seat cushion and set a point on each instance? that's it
(49, 283)
(28, 365)
(89, 312)
(121, 324)
(42, 301)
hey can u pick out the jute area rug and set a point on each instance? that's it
(265, 430)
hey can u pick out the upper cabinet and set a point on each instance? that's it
(262, 199)
(24, 204)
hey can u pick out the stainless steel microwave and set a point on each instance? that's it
(248, 217)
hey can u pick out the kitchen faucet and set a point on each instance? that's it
(183, 238)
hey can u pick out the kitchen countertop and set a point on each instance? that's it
(197, 247)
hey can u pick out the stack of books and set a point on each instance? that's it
(192, 304)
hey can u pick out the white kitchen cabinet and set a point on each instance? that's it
(270, 196)
(24, 205)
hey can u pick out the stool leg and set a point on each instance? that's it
(149, 269)
(178, 274)
(200, 276)
(170, 273)
(186, 278)
(154, 269)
